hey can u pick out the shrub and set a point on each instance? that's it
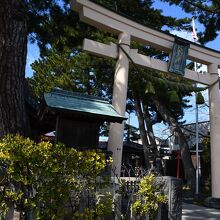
(148, 197)
(38, 178)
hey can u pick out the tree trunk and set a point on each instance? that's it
(185, 152)
(150, 132)
(143, 132)
(13, 50)
(152, 142)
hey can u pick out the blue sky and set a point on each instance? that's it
(33, 54)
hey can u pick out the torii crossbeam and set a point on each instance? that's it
(128, 30)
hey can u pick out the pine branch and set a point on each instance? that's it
(201, 7)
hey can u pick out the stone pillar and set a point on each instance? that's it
(214, 111)
(115, 142)
(172, 188)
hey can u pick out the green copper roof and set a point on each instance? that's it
(82, 104)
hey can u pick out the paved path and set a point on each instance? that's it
(199, 212)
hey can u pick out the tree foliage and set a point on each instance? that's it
(73, 71)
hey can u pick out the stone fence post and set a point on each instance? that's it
(172, 188)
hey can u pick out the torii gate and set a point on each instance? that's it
(127, 30)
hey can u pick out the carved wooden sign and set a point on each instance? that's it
(178, 57)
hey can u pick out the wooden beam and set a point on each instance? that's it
(146, 61)
(100, 49)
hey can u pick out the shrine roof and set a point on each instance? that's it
(79, 104)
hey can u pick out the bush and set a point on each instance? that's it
(38, 178)
(148, 197)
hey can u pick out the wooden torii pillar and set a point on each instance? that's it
(128, 30)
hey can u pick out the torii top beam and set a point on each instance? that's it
(112, 22)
